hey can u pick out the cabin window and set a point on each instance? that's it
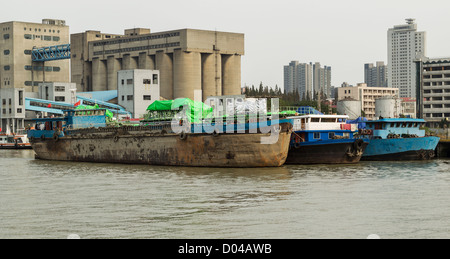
(398, 125)
(392, 125)
(332, 120)
(316, 135)
(404, 125)
(315, 119)
(331, 135)
(415, 125)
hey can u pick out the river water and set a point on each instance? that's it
(46, 199)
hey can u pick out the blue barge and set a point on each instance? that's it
(324, 139)
(397, 139)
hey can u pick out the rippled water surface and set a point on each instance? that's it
(45, 199)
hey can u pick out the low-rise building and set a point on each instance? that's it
(12, 109)
(367, 96)
(137, 89)
(58, 92)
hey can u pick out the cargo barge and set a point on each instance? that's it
(397, 139)
(84, 136)
(324, 139)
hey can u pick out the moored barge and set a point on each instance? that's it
(84, 136)
(397, 139)
(324, 139)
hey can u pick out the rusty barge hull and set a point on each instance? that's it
(167, 149)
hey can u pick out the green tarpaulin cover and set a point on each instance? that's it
(195, 110)
(108, 113)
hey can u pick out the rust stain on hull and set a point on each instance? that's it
(141, 147)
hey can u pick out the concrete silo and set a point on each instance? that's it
(387, 107)
(350, 107)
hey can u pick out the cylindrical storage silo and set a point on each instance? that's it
(387, 107)
(350, 107)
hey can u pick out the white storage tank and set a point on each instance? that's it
(350, 107)
(387, 107)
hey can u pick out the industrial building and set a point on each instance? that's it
(187, 59)
(20, 76)
(17, 40)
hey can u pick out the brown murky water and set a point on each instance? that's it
(42, 199)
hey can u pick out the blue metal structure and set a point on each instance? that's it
(39, 105)
(308, 110)
(114, 107)
(51, 53)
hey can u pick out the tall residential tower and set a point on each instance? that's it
(375, 76)
(405, 43)
(298, 76)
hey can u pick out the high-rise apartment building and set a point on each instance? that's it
(290, 77)
(405, 44)
(298, 76)
(322, 79)
(375, 76)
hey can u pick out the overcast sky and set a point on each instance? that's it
(343, 34)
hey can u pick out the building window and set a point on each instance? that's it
(129, 97)
(19, 110)
(123, 97)
(56, 69)
(147, 81)
(28, 36)
(20, 97)
(123, 81)
(7, 68)
(6, 52)
(129, 81)
(147, 97)
(4, 101)
(5, 36)
(60, 88)
(155, 78)
(56, 38)
(47, 38)
(60, 99)
(27, 52)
